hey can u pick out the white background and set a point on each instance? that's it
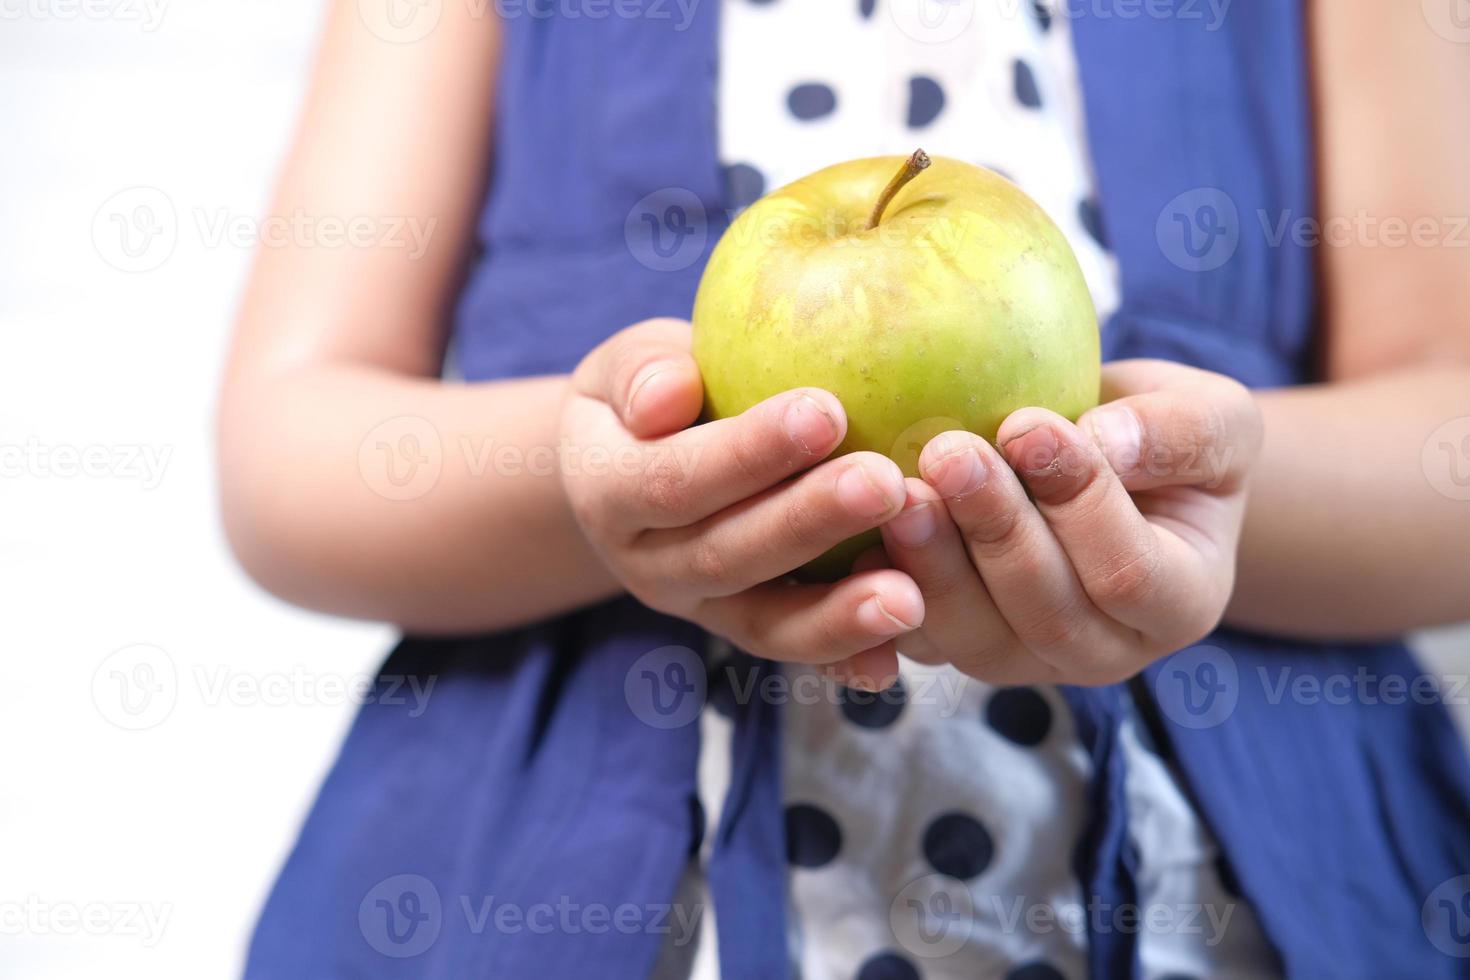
(187, 820)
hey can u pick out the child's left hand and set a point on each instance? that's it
(1081, 583)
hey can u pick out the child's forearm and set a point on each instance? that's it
(434, 506)
(1352, 530)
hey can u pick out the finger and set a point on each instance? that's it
(646, 374)
(1203, 430)
(818, 623)
(872, 670)
(1028, 575)
(683, 478)
(960, 618)
(1147, 580)
(775, 532)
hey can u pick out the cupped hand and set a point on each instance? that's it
(1081, 553)
(705, 521)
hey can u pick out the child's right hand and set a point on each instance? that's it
(705, 521)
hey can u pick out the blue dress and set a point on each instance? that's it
(532, 822)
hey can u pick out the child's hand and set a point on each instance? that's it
(698, 522)
(1081, 583)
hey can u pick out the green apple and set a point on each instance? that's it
(925, 297)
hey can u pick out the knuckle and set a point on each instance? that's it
(664, 488)
(1056, 630)
(802, 526)
(1127, 581)
(991, 531)
(707, 566)
(749, 454)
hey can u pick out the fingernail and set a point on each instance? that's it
(863, 494)
(1117, 433)
(1034, 450)
(809, 425)
(960, 473)
(875, 617)
(861, 682)
(640, 381)
(915, 526)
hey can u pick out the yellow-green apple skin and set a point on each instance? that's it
(964, 304)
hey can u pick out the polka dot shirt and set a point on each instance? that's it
(931, 829)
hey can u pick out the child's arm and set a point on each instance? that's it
(338, 350)
(1350, 531)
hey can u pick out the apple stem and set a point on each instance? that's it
(911, 168)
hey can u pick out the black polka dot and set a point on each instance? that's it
(1020, 714)
(1035, 970)
(811, 100)
(1043, 15)
(865, 8)
(744, 185)
(812, 836)
(956, 845)
(1091, 218)
(926, 100)
(874, 710)
(887, 965)
(1228, 880)
(1026, 91)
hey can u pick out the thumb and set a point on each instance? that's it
(646, 374)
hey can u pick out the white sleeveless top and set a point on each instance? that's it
(931, 829)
